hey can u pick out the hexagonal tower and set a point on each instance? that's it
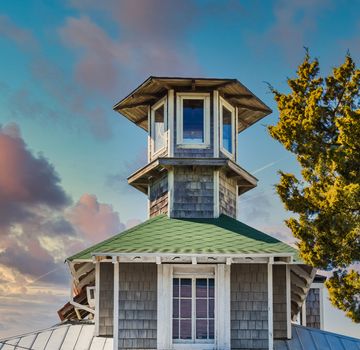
(192, 126)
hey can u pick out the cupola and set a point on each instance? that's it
(192, 126)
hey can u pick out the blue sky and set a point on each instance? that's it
(63, 66)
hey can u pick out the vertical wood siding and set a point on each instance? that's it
(227, 195)
(106, 302)
(279, 304)
(313, 308)
(249, 309)
(137, 306)
(193, 192)
(159, 197)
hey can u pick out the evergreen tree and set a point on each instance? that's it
(319, 122)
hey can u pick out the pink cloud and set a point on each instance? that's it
(10, 30)
(95, 221)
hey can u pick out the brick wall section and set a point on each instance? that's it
(106, 301)
(249, 308)
(193, 192)
(279, 289)
(192, 152)
(159, 196)
(137, 306)
(227, 195)
(313, 308)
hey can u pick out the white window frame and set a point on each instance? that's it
(180, 97)
(156, 106)
(194, 276)
(229, 107)
(221, 273)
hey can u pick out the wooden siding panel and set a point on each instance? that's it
(193, 192)
(279, 301)
(313, 308)
(159, 197)
(249, 306)
(227, 195)
(106, 303)
(137, 306)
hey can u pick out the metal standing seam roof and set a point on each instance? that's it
(80, 336)
(164, 235)
(306, 338)
(65, 336)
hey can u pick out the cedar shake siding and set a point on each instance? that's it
(279, 306)
(227, 195)
(193, 192)
(249, 306)
(106, 302)
(137, 306)
(313, 308)
(159, 196)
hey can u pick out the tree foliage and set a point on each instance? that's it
(319, 123)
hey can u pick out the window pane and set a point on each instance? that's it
(193, 121)
(175, 287)
(211, 329)
(175, 308)
(185, 329)
(211, 288)
(175, 329)
(201, 329)
(201, 308)
(201, 288)
(185, 290)
(226, 132)
(159, 140)
(185, 308)
(211, 308)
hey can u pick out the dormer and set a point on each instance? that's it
(192, 126)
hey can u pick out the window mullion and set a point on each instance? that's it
(193, 306)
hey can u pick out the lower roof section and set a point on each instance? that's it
(80, 335)
(198, 237)
(305, 338)
(65, 336)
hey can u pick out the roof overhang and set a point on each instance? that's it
(135, 105)
(142, 177)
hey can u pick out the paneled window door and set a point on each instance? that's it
(193, 309)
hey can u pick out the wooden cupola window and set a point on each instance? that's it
(193, 120)
(227, 128)
(158, 126)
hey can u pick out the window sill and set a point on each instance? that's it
(193, 145)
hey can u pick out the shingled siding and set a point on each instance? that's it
(106, 302)
(249, 306)
(193, 193)
(313, 308)
(227, 195)
(279, 292)
(194, 152)
(137, 306)
(159, 196)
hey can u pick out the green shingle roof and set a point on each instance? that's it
(161, 234)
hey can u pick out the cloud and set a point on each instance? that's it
(22, 37)
(294, 24)
(26, 180)
(39, 226)
(151, 38)
(95, 221)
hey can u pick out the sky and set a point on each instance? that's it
(65, 154)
